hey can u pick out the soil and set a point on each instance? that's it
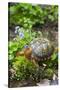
(24, 83)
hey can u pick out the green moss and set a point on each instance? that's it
(24, 68)
(48, 73)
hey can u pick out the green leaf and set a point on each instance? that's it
(54, 56)
(51, 17)
(10, 57)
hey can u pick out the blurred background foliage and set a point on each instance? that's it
(29, 15)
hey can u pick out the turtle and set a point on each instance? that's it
(42, 49)
(39, 49)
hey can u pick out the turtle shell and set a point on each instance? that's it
(41, 48)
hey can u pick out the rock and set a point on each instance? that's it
(44, 82)
(24, 83)
(54, 81)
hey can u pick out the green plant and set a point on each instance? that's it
(48, 73)
(27, 15)
(52, 62)
(23, 38)
(49, 67)
(24, 69)
(12, 48)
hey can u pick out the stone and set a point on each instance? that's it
(44, 82)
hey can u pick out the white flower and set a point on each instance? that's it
(15, 31)
(17, 28)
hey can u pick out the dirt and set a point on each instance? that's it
(23, 83)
